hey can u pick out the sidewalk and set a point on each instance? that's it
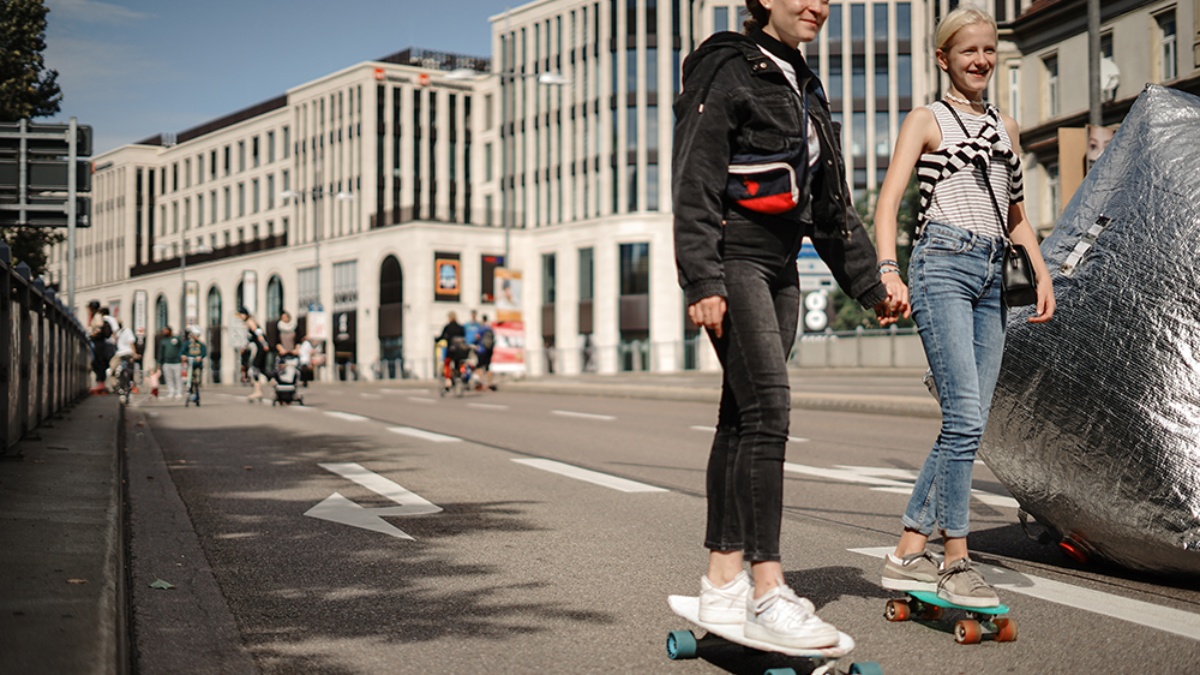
(62, 566)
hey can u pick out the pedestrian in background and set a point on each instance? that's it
(750, 104)
(972, 199)
(254, 356)
(100, 335)
(170, 348)
(287, 334)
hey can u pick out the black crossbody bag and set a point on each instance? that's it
(1018, 282)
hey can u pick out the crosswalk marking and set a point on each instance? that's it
(890, 480)
(423, 435)
(589, 476)
(585, 416)
(697, 427)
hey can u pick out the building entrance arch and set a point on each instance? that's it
(391, 319)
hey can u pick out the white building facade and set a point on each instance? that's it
(344, 191)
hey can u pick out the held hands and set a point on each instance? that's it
(708, 313)
(896, 306)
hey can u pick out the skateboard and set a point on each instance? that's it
(682, 644)
(980, 621)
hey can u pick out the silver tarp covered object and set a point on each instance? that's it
(1095, 424)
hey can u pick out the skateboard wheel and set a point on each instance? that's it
(968, 632)
(896, 610)
(866, 668)
(1006, 630)
(779, 671)
(681, 644)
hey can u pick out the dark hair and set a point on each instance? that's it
(94, 305)
(759, 16)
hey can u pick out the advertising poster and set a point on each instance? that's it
(249, 297)
(317, 326)
(191, 304)
(447, 284)
(509, 353)
(139, 315)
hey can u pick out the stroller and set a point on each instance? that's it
(286, 378)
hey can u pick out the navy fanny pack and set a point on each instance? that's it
(768, 183)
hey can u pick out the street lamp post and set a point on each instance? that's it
(183, 251)
(316, 193)
(548, 78)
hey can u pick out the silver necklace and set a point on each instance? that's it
(958, 99)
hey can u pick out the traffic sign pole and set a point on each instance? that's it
(71, 211)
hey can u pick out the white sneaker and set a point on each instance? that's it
(783, 619)
(725, 604)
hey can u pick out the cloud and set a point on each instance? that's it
(93, 11)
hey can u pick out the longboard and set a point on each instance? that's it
(683, 645)
(980, 621)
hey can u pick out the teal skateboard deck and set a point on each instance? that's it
(980, 621)
(682, 644)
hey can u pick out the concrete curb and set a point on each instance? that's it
(63, 599)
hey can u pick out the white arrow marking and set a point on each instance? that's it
(338, 509)
(1148, 614)
(345, 416)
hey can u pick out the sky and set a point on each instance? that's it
(134, 68)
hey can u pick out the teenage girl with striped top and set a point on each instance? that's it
(954, 145)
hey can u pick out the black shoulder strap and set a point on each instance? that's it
(725, 58)
(987, 180)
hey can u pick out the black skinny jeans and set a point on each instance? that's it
(745, 467)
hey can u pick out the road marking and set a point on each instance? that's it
(423, 435)
(300, 408)
(426, 401)
(346, 416)
(1167, 619)
(338, 509)
(393, 391)
(583, 416)
(884, 479)
(589, 476)
(369, 396)
(793, 439)
(487, 406)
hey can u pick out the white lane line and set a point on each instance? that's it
(794, 439)
(393, 391)
(589, 476)
(1167, 619)
(883, 479)
(426, 401)
(345, 416)
(423, 435)
(487, 406)
(369, 396)
(583, 416)
(301, 408)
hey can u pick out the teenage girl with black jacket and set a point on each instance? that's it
(758, 167)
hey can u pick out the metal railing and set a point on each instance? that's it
(44, 353)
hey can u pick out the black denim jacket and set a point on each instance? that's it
(737, 101)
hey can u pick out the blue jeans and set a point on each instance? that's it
(954, 277)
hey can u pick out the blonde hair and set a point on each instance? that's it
(963, 16)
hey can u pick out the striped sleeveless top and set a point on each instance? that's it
(950, 183)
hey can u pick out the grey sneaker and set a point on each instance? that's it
(962, 585)
(725, 604)
(916, 572)
(783, 619)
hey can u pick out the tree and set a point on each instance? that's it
(850, 314)
(27, 90)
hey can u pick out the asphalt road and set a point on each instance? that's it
(527, 566)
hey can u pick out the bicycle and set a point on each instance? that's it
(124, 377)
(195, 368)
